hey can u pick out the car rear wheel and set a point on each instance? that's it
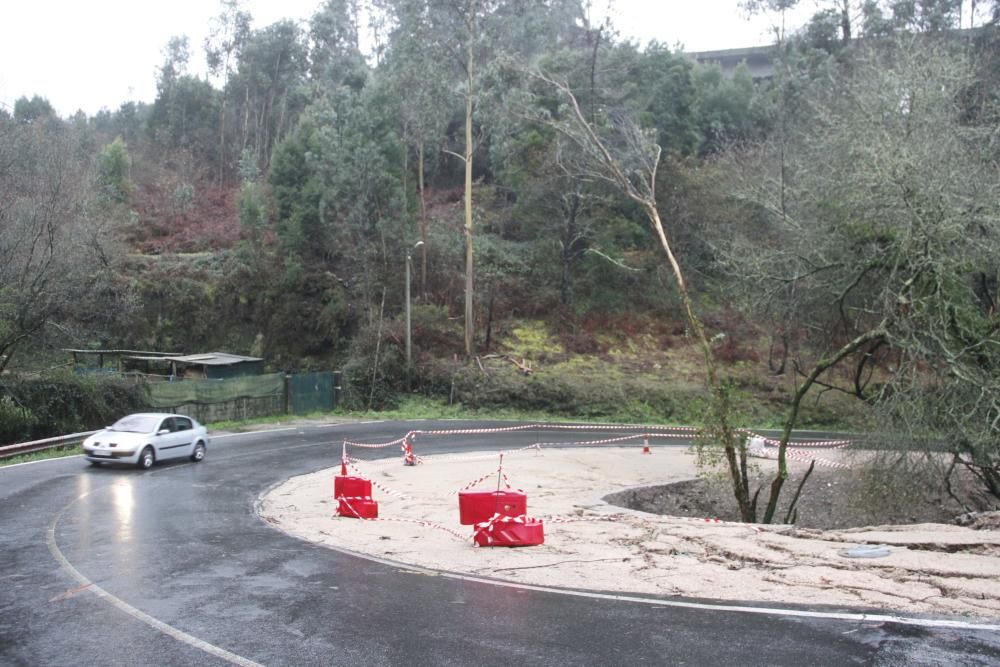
(199, 452)
(147, 458)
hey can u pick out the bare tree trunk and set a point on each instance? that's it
(489, 319)
(246, 118)
(643, 192)
(570, 211)
(469, 323)
(720, 424)
(222, 136)
(780, 368)
(378, 348)
(792, 513)
(423, 220)
(821, 366)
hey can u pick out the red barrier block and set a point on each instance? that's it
(510, 533)
(352, 487)
(357, 508)
(478, 506)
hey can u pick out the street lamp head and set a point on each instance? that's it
(418, 244)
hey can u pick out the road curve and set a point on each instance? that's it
(173, 567)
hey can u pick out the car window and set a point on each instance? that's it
(182, 424)
(135, 424)
(168, 424)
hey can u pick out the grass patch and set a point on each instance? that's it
(54, 453)
(277, 420)
(421, 407)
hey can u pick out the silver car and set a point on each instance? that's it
(145, 438)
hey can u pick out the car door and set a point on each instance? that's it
(168, 441)
(184, 430)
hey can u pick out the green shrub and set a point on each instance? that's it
(586, 396)
(62, 403)
(374, 373)
(16, 421)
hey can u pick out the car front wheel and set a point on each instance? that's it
(199, 452)
(147, 458)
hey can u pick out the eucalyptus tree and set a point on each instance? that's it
(34, 109)
(554, 206)
(441, 45)
(465, 19)
(185, 112)
(836, 23)
(729, 109)
(334, 181)
(335, 57)
(227, 36)
(114, 169)
(614, 148)
(269, 86)
(421, 92)
(454, 35)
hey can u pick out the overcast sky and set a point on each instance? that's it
(88, 55)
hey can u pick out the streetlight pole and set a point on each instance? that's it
(409, 337)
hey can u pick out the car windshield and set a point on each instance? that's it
(136, 424)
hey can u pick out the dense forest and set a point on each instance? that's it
(622, 217)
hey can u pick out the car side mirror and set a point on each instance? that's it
(163, 431)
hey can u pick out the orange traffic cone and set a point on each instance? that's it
(645, 446)
(409, 458)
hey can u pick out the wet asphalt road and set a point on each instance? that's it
(115, 566)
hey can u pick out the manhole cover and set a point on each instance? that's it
(866, 551)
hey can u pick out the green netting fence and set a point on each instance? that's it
(209, 392)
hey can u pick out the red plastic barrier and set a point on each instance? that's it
(479, 506)
(357, 508)
(344, 485)
(509, 532)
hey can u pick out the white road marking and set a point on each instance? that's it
(211, 437)
(269, 430)
(28, 463)
(239, 660)
(141, 616)
(768, 611)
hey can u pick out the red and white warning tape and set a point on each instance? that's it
(559, 427)
(483, 528)
(623, 517)
(498, 471)
(798, 455)
(649, 431)
(475, 482)
(466, 458)
(352, 464)
(417, 522)
(607, 441)
(377, 445)
(803, 444)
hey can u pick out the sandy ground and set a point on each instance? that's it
(931, 568)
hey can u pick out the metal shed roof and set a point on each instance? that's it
(214, 359)
(125, 352)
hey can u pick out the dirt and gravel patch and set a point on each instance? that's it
(589, 544)
(830, 499)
